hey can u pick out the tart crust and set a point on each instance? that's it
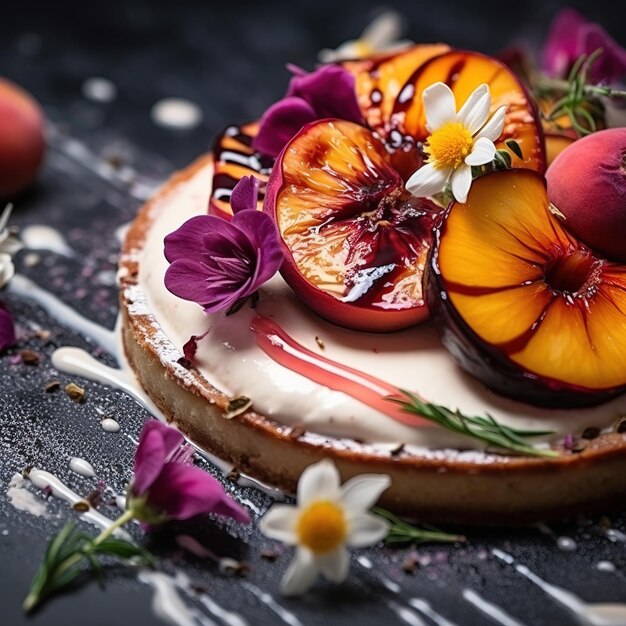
(441, 486)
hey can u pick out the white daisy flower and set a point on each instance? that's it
(328, 518)
(8, 246)
(457, 141)
(382, 35)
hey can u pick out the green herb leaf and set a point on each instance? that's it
(484, 428)
(403, 532)
(67, 551)
(122, 549)
(514, 147)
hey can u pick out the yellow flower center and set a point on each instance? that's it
(449, 145)
(362, 48)
(322, 527)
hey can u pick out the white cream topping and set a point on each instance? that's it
(229, 358)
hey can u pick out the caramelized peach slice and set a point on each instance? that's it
(378, 81)
(234, 158)
(521, 303)
(356, 242)
(463, 72)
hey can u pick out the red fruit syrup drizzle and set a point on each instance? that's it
(283, 349)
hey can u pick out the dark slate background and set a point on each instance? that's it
(229, 58)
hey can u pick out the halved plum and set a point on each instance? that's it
(356, 242)
(522, 304)
(463, 71)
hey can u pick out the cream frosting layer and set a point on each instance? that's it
(414, 359)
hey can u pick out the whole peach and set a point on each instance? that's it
(21, 139)
(587, 184)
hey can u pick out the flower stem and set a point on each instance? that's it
(39, 592)
(558, 84)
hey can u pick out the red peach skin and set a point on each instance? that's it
(21, 139)
(587, 183)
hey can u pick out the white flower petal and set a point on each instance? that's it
(280, 523)
(362, 492)
(493, 128)
(461, 182)
(439, 106)
(366, 530)
(300, 574)
(4, 216)
(482, 152)
(473, 99)
(7, 269)
(319, 481)
(475, 111)
(428, 180)
(383, 30)
(345, 52)
(335, 566)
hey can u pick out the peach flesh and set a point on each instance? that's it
(587, 184)
(21, 139)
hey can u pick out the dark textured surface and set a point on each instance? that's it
(229, 59)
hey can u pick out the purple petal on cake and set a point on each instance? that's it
(187, 241)
(330, 91)
(280, 123)
(7, 328)
(262, 233)
(184, 491)
(228, 261)
(245, 194)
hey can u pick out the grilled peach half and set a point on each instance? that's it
(356, 242)
(522, 304)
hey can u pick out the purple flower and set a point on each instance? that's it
(219, 263)
(326, 92)
(7, 329)
(167, 486)
(571, 36)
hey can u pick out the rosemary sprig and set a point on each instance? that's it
(485, 428)
(402, 532)
(63, 561)
(579, 101)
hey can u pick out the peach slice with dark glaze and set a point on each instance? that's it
(521, 303)
(463, 72)
(356, 242)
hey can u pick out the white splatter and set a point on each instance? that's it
(176, 113)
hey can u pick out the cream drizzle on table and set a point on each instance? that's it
(43, 480)
(587, 614)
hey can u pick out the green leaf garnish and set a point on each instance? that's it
(484, 428)
(514, 147)
(579, 101)
(402, 532)
(64, 560)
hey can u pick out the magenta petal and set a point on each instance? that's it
(561, 48)
(187, 241)
(149, 458)
(610, 66)
(280, 123)
(186, 279)
(245, 194)
(184, 491)
(330, 90)
(262, 232)
(7, 328)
